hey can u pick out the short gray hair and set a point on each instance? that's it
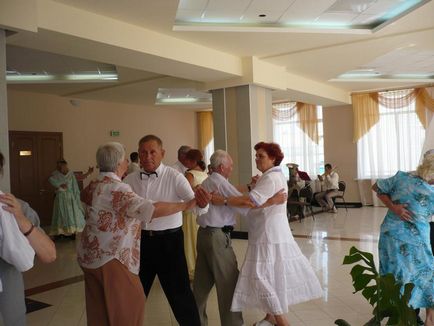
(218, 158)
(109, 156)
(183, 150)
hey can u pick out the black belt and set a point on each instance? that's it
(225, 229)
(152, 233)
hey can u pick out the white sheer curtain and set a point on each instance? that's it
(393, 144)
(296, 145)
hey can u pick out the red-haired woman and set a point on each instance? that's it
(275, 274)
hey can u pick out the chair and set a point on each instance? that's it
(299, 200)
(342, 187)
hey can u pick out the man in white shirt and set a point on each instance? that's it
(216, 262)
(134, 163)
(331, 184)
(180, 164)
(162, 242)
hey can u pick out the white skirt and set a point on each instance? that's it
(273, 277)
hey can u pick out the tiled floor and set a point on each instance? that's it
(325, 241)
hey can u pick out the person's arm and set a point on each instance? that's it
(44, 248)
(398, 209)
(190, 178)
(166, 208)
(83, 176)
(244, 201)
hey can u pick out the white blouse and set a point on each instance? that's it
(14, 246)
(113, 223)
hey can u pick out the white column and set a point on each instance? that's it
(242, 117)
(5, 181)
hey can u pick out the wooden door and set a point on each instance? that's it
(33, 157)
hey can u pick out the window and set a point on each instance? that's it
(296, 145)
(395, 142)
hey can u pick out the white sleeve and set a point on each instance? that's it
(14, 246)
(264, 189)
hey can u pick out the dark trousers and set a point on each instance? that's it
(163, 255)
(431, 224)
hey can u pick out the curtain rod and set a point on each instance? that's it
(393, 89)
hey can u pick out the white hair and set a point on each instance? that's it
(109, 156)
(219, 157)
(426, 169)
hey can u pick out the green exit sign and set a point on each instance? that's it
(115, 133)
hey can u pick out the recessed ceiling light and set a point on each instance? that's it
(262, 15)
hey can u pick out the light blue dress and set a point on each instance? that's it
(404, 247)
(68, 213)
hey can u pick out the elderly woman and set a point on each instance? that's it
(20, 239)
(275, 274)
(404, 246)
(109, 249)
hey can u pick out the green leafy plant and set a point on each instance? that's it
(382, 292)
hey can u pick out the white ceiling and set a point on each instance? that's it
(318, 56)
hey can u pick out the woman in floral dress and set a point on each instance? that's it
(404, 246)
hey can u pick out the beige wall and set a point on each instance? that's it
(88, 125)
(339, 149)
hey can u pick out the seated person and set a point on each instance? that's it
(331, 185)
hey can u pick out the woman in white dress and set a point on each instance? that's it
(275, 274)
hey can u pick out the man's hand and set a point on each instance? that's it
(279, 197)
(202, 197)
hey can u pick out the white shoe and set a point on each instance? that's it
(334, 210)
(263, 322)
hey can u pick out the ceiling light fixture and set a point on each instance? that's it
(262, 15)
(48, 78)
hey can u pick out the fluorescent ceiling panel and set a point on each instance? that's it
(182, 96)
(344, 16)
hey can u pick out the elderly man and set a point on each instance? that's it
(216, 262)
(180, 164)
(162, 243)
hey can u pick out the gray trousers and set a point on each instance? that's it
(12, 305)
(325, 198)
(216, 264)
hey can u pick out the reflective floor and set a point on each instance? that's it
(324, 241)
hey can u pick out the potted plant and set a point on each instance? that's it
(383, 292)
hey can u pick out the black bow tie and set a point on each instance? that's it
(148, 174)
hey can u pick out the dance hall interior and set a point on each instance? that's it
(345, 88)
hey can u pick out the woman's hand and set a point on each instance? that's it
(14, 207)
(401, 210)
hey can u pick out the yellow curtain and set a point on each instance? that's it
(308, 120)
(366, 107)
(206, 130)
(366, 113)
(423, 102)
(284, 111)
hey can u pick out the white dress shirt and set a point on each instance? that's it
(168, 185)
(113, 222)
(178, 166)
(331, 181)
(15, 248)
(219, 216)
